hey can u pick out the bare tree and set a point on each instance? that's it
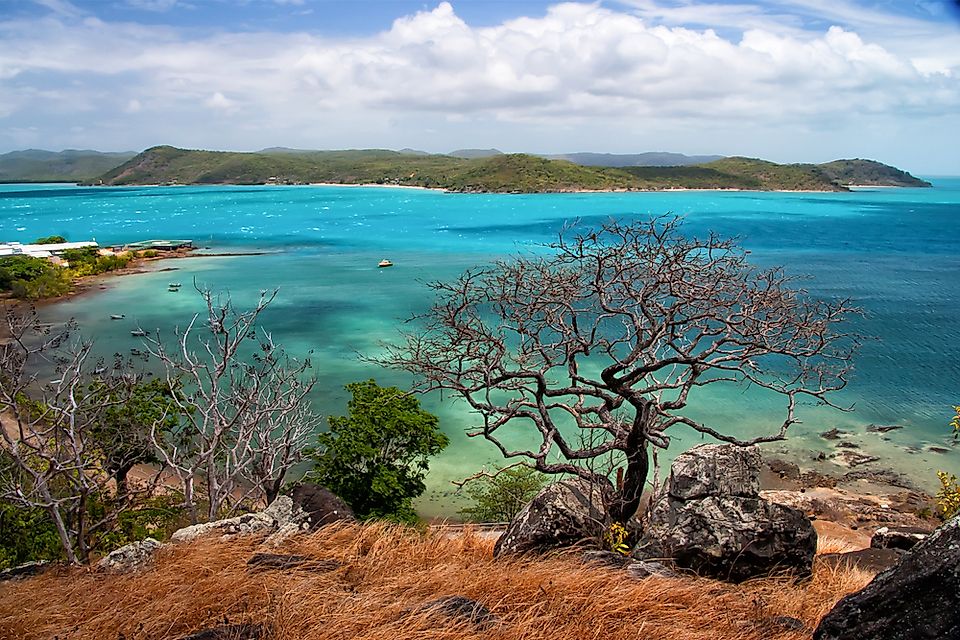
(52, 455)
(610, 333)
(246, 407)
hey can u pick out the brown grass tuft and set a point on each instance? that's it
(386, 575)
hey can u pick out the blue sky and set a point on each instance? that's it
(788, 80)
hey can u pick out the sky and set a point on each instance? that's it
(785, 80)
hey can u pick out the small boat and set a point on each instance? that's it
(116, 316)
(139, 333)
(136, 352)
(174, 285)
(384, 263)
(174, 289)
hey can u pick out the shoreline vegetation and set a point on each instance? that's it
(504, 173)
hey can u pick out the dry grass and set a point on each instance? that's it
(386, 575)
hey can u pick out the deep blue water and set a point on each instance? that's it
(896, 252)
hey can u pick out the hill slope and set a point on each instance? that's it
(649, 159)
(373, 581)
(501, 173)
(72, 165)
(870, 173)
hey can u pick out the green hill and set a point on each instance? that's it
(512, 173)
(870, 173)
(72, 165)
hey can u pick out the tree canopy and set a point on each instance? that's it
(376, 457)
(596, 345)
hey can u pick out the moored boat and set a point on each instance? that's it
(384, 263)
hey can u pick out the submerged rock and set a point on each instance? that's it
(914, 600)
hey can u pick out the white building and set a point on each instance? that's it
(41, 250)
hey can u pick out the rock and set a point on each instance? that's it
(284, 533)
(716, 470)
(832, 434)
(268, 561)
(875, 560)
(24, 570)
(785, 622)
(785, 470)
(130, 557)
(847, 445)
(463, 609)
(915, 599)
(716, 523)
(731, 537)
(881, 428)
(229, 632)
(636, 569)
(279, 513)
(938, 450)
(561, 515)
(904, 538)
(320, 505)
(853, 459)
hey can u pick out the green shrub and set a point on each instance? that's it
(50, 240)
(26, 535)
(948, 497)
(500, 496)
(21, 267)
(376, 457)
(50, 284)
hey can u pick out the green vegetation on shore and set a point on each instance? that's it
(33, 278)
(506, 173)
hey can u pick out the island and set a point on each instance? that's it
(497, 173)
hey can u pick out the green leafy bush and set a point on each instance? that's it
(26, 535)
(948, 497)
(376, 457)
(50, 240)
(501, 495)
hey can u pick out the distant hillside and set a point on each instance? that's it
(649, 159)
(471, 154)
(502, 173)
(870, 173)
(72, 165)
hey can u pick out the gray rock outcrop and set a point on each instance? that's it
(276, 516)
(130, 557)
(561, 515)
(711, 519)
(913, 600)
(320, 505)
(904, 538)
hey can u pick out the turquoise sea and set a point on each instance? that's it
(896, 252)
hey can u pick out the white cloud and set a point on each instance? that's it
(578, 68)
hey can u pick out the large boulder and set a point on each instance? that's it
(561, 515)
(320, 505)
(279, 514)
(710, 518)
(913, 600)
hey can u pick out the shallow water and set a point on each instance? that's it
(896, 252)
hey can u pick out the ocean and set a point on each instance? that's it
(895, 252)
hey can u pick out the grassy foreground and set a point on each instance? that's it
(385, 576)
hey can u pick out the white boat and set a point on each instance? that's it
(139, 333)
(116, 316)
(174, 284)
(384, 263)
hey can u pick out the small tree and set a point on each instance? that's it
(52, 459)
(499, 496)
(610, 333)
(245, 403)
(376, 457)
(138, 408)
